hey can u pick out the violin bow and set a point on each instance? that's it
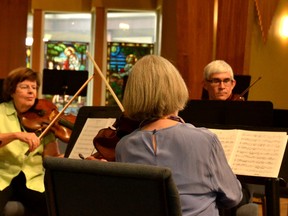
(106, 82)
(79, 91)
(247, 89)
(66, 106)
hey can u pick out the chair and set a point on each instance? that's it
(83, 187)
(249, 209)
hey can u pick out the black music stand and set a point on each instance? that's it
(216, 112)
(64, 82)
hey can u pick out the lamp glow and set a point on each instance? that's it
(284, 27)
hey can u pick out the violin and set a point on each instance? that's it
(53, 122)
(107, 138)
(40, 115)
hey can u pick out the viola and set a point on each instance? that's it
(107, 138)
(40, 115)
(236, 97)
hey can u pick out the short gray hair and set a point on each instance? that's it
(217, 66)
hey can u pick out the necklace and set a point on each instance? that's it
(154, 119)
(176, 118)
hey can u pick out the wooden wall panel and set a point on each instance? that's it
(201, 20)
(38, 44)
(195, 41)
(232, 33)
(99, 55)
(63, 6)
(13, 25)
(169, 41)
(126, 5)
(187, 39)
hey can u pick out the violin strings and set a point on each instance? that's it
(93, 151)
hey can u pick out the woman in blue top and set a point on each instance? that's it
(154, 94)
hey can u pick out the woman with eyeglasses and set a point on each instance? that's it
(219, 81)
(22, 174)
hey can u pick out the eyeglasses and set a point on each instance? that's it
(26, 87)
(216, 81)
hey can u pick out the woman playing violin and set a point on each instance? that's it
(21, 174)
(219, 81)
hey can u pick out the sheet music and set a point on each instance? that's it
(84, 144)
(260, 153)
(253, 153)
(228, 139)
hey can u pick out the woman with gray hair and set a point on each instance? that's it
(154, 94)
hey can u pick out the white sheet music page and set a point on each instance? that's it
(259, 153)
(228, 139)
(84, 144)
(253, 153)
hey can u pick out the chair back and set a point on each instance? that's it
(84, 187)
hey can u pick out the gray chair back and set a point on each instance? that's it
(83, 187)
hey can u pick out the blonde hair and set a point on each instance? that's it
(154, 89)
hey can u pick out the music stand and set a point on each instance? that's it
(86, 112)
(64, 82)
(208, 113)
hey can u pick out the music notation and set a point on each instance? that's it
(253, 153)
(84, 144)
